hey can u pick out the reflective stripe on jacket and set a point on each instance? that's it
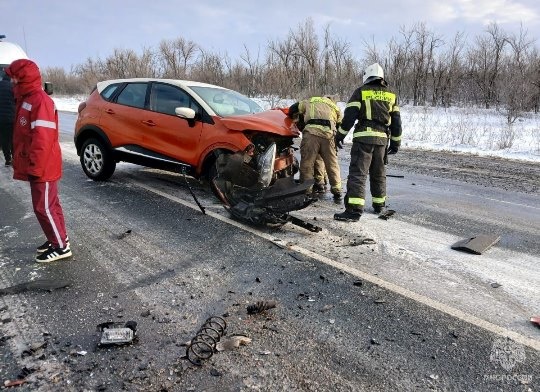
(320, 108)
(375, 108)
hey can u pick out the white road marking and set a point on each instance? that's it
(502, 201)
(469, 318)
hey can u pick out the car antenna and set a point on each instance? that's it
(191, 190)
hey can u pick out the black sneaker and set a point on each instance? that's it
(53, 254)
(46, 245)
(348, 216)
(42, 248)
(8, 163)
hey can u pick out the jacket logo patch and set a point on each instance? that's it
(23, 121)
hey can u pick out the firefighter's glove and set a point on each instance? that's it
(338, 140)
(393, 149)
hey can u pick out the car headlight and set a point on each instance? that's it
(266, 165)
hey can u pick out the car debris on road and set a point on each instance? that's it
(261, 306)
(204, 344)
(115, 333)
(35, 285)
(476, 245)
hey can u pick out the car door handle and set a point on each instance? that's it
(109, 111)
(149, 122)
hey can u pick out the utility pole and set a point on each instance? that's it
(24, 38)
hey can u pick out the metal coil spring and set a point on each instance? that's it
(203, 345)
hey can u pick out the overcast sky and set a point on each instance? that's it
(67, 32)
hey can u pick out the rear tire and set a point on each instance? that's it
(97, 160)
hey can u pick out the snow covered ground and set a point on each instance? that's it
(465, 130)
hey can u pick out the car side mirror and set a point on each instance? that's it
(187, 113)
(48, 88)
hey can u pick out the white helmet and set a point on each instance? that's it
(372, 72)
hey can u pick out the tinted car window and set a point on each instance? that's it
(134, 94)
(165, 98)
(109, 91)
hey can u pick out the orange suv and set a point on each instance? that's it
(195, 128)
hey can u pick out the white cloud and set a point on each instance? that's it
(484, 11)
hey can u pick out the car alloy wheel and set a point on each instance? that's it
(93, 159)
(96, 160)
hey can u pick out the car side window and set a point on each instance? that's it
(165, 98)
(134, 94)
(108, 92)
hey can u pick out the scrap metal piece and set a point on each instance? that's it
(303, 224)
(124, 234)
(233, 342)
(114, 333)
(191, 191)
(261, 306)
(476, 245)
(203, 345)
(35, 285)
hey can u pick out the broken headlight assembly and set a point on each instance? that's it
(266, 166)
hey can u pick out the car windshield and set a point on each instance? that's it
(226, 102)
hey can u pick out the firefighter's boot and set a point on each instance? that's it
(378, 208)
(319, 188)
(349, 215)
(336, 191)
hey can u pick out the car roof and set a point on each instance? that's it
(10, 52)
(185, 84)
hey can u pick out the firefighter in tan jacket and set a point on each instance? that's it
(320, 115)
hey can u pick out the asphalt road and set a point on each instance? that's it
(403, 312)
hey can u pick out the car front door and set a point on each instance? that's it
(167, 133)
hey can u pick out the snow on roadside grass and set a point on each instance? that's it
(477, 131)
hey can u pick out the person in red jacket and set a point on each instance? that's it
(37, 157)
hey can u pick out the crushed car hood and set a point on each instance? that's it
(274, 121)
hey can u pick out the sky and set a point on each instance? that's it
(64, 33)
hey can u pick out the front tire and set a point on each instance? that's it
(97, 160)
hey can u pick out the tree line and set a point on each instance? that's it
(494, 69)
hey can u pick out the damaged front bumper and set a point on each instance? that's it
(246, 199)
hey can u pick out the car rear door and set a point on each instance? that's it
(122, 117)
(167, 133)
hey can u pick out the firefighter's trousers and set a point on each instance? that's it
(313, 146)
(319, 173)
(366, 159)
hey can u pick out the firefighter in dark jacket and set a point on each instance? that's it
(373, 106)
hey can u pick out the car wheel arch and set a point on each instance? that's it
(91, 132)
(210, 158)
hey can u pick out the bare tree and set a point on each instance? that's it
(446, 72)
(518, 91)
(307, 52)
(495, 69)
(425, 44)
(485, 63)
(210, 68)
(176, 56)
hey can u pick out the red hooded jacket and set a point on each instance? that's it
(36, 150)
